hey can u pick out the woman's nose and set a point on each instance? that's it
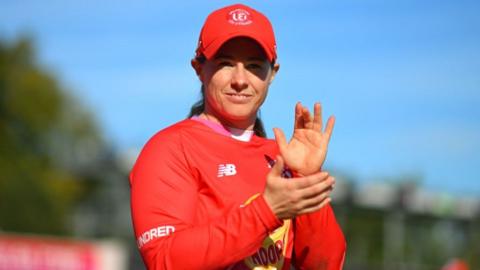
(239, 77)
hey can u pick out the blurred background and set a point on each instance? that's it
(84, 84)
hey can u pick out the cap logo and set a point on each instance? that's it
(239, 17)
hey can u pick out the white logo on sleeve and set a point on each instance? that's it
(154, 233)
(226, 170)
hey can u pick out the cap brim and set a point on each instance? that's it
(213, 47)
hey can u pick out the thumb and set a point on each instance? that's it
(280, 139)
(278, 167)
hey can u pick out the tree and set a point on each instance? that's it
(48, 145)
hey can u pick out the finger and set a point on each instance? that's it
(277, 168)
(323, 187)
(307, 118)
(280, 139)
(329, 127)
(315, 208)
(314, 201)
(298, 117)
(308, 181)
(317, 117)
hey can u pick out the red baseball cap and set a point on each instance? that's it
(236, 21)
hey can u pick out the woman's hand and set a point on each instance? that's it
(307, 149)
(290, 197)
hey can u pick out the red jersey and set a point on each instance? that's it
(195, 205)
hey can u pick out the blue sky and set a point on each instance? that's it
(402, 77)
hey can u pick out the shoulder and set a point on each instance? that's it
(173, 134)
(164, 151)
(174, 130)
(167, 142)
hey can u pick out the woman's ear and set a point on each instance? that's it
(197, 66)
(275, 69)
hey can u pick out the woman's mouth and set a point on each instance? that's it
(238, 97)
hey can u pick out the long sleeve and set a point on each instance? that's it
(164, 201)
(319, 241)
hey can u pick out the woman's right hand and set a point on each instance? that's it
(306, 151)
(290, 197)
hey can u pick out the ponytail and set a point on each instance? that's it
(258, 127)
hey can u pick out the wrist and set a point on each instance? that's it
(266, 213)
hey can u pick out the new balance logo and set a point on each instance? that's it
(226, 170)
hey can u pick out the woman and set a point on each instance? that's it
(207, 193)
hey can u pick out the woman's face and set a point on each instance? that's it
(236, 82)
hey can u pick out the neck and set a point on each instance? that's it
(247, 124)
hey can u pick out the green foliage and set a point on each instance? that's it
(47, 144)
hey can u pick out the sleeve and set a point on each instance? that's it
(319, 242)
(163, 203)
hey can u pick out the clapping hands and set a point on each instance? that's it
(306, 151)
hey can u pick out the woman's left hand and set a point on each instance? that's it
(307, 149)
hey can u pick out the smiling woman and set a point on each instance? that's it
(235, 82)
(207, 193)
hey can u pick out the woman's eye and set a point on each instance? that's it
(225, 64)
(254, 66)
